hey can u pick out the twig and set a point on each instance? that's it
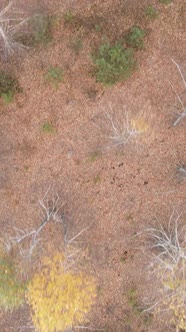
(181, 74)
(77, 235)
(183, 114)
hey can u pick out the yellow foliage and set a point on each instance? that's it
(140, 125)
(174, 288)
(59, 298)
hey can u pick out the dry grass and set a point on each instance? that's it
(169, 266)
(126, 128)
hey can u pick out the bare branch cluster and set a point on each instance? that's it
(126, 129)
(50, 211)
(169, 265)
(183, 106)
(12, 23)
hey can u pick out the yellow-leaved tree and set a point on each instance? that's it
(58, 298)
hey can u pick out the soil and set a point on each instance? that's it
(111, 191)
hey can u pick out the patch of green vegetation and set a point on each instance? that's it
(97, 179)
(135, 38)
(137, 310)
(77, 45)
(47, 128)
(7, 97)
(9, 85)
(12, 290)
(26, 167)
(132, 295)
(132, 301)
(128, 323)
(68, 16)
(93, 156)
(113, 63)
(151, 12)
(98, 27)
(54, 75)
(41, 28)
(167, 2)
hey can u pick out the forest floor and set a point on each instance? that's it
(59, 140)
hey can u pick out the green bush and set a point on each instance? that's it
(12, 291)
(151, 12)
(113, 63)
(9, 85)
(54, 76)
(69, 16)
(135, 38)
(47, 128)
(166, 1)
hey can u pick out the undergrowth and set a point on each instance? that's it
(135, 38)
(12, 290)
(48, 128)
(54, 75)
(9, 85)
(151, 12)
(113, 63)
(165, 1)
(68, 16)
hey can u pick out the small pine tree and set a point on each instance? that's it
(58, 298)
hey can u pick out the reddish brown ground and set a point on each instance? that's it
(114, 191)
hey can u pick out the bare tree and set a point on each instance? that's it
(12, 23)
(169, 266)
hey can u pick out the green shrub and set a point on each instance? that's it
(165, 1)
(151, 12)
(135, 38)
(113, 63)
(12, 291)
(54, 75)
(68, 16)
(98, 27)
(9, 85)
(48, 128)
